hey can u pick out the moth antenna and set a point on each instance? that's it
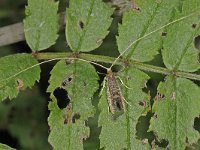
(146, 35)
(28, 68)
(89, 62)
(54, 59)
(101, 73)
(103, 86)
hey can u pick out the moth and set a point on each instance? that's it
(115, 97)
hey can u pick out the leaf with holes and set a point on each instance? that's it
(65, 134)
(176, 106)
(5, 147)
(41, 24)
(179, 52)
(81, 86)
(151, 16)
(120, 132)
(17, 73)
(87, 24)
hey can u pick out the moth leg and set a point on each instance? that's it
(127, 102)
(126, 87)
(123, 83)
(103, 86)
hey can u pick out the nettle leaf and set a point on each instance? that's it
(5, 147)
(179, 52)
(41, 24)
(120, 132)
(151, 16)
(176, 106)
(15, 75)
(68, 127)
(87, 24)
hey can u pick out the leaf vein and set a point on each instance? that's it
(144, 30)
(186, 47)
(87, 22)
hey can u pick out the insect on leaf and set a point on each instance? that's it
(41, 24)
(119, 133)
(175, 108)
(15, 75)
(80, 80)
(87, 24)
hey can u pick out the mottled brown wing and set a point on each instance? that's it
(114, 94)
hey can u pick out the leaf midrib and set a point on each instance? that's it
(37, 44)
(144, 30)
(85, 29)
(186, 47)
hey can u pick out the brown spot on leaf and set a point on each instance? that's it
(81, 25)
(99, 41)
(155, 116)
(145, 83)
(86, 123)
(83, 137)
(20, 84)
(69, 61)
(174, 96)
(75, 117)
(67, 80)
(164, 34)
(128, 78)
(68, 115)
(159, 96)
(126, 63)
(84, 83)
(143, 104)
(145, 141)
(194, 25)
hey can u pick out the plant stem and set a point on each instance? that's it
(110, 60)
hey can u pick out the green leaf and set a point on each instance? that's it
(179, 52)
(120, 133)
(41, 24)
(17, 73)
(5, 147)
(80, 80)
(65, 136)
(176, 106)
(87, 24)
(152, 16)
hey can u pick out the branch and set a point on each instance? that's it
(11, 34)
(110, 60)
(15, 33)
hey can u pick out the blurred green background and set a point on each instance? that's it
(23, 120)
